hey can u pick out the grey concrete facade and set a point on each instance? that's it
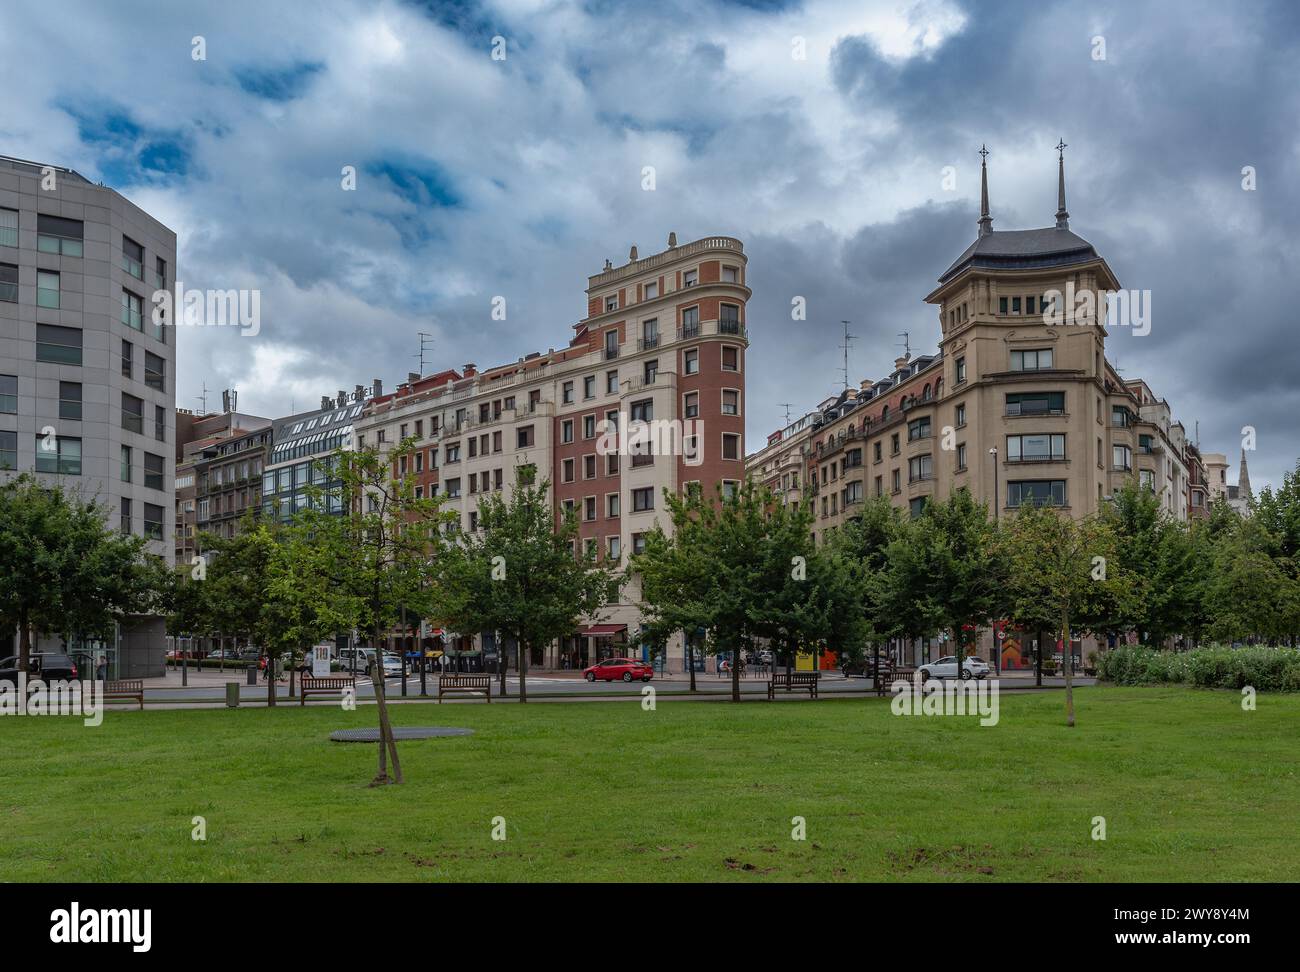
(88, 371)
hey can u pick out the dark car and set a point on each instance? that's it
(43, 665)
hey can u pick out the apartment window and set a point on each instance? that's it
(690, 278)
(154, 471)
(611, 422)
(611, 345)
(133, 258)
(566, 430)
(8, 227)
(1120, 417)
(8, 283)
(160, 423)
(642, 411)
(611, 302)
(473, 483)
(589, 426)
(58, 345)
(692, 404)
(730, 489)
(524, 437)
(1029, 304)
(1122, 457)
(1031, 360)
(961, 455)
(638, 543)
(853, 492)
(473, 447)
(730, 402)
(160, 273)
(153, 521)
(642, 455)
(58, 454)
(566, 393)
(1036, 403)
(453, 488)
(132, 413)
(876, 452)
(57, 235)
(47, 289)
(1015, 305)
(853, 459)
(611, 506)
(652, 290)
(567, 470)
(893, 444)
(589, 467)
(124, 516)
(1036, 492)
(589, 508)
(730, 445)
(614, 547)
(880, 486)
(918, 429)
(894, 482)
(960, 415)
(132, 311)
(730, 359)
(9, 394)
(70, 400)
(920, 468)
(961, 370)
(690, 322)
(1002, 305)
(1147, 479)
(730, 275)
(611, 464)
(691, 362)
(611, 382)
(1035, 448)
(154, 371)
(728, 319)
(452, 453)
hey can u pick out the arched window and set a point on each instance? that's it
(938, 388)
(884, 414)
(925, 394)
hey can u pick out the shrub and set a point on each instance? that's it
(1215, 666)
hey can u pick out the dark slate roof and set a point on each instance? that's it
(1023, 250)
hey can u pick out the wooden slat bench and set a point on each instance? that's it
(450, 683)
(125, 688)
(324, 685)
(793, 680)
(889, 674)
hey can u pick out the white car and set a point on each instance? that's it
(393, 666)
(947, 668)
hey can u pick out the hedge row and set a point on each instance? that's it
(1265, 669)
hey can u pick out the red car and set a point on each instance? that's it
(625, 668)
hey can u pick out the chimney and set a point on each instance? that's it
(342, 399)
(470, 370)
(376, 388)
(325, 402)
(901, 363)
(359, 393)
(672, 240)
(631, 256)
(866, 384)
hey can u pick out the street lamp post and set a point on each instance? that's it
(994, 453)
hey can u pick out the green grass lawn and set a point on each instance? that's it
(1192, 788)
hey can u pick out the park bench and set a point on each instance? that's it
(125, 688)
(450, 683)
(791, 681)
(889, 674)
(324, 685)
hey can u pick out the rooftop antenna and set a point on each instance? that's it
(203, 399)
(426, 344)
(847, 338)
(907, 342)
(786, 406)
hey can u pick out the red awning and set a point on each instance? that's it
(597, 630)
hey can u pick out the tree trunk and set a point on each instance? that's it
(735, 674)
(523, 670)
(503, 663)
(24, 642)
(387, 744)
(690, 659)
(1067, 659)
(1038, 660)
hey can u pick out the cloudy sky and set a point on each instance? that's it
(480, 177)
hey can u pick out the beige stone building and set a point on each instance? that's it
(648, 395)
(1019, 405)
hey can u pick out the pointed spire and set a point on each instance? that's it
(1243, 479)
(985, 221)
(1062, 217)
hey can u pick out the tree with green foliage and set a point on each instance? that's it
(62, 570)
(865, 540)
(1070, 566)
(521, 574)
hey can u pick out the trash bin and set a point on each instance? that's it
(232, 695)
(252, 674)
